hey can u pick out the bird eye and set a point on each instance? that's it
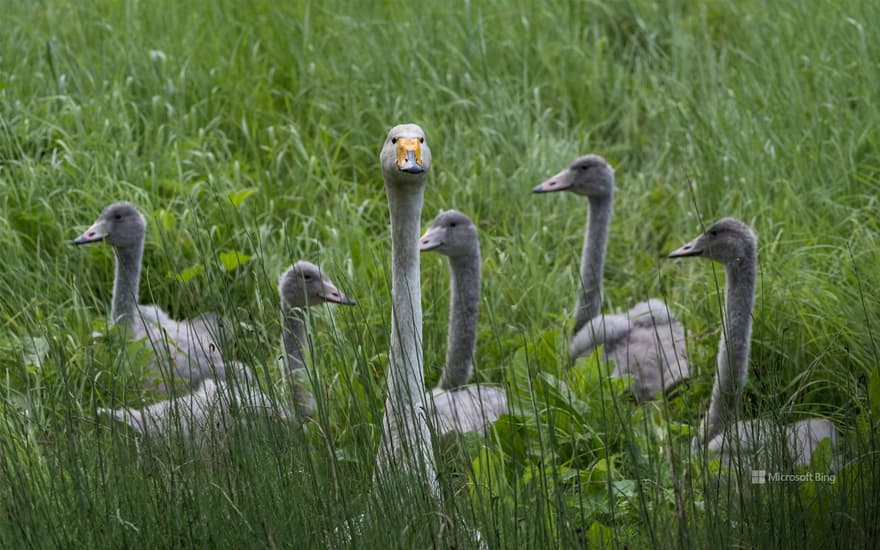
(117, 217)
(452, 224)
(307, 277)
(585, 167)
(713, 232)
(422, 140)
(394, 140)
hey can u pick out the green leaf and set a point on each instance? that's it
(602, 470)
(556, 393)
(487, 474)
(586, 374)
(233, 259)
(166, 219)
(190, 273)
(509, 433)
(822, 458)
(238, 197)
(600, 536)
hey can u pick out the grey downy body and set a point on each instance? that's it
(458, 405)
(208, 408)
(647, 342)
(734, 244)
(181, 349)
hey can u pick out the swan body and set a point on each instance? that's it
(301, 286)
(181, 349)
(456, 405)
(406, 440)
(207, 411)
(647, 342)
(471, 408)
(754, 442)
(734, 244)
(208, 408)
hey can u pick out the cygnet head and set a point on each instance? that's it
(451, 234)
(120, 224)
(727, 241)
(405, 155)
(304, 284)
(590, 175)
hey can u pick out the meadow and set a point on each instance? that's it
(249, 134)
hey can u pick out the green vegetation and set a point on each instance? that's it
(248, 133)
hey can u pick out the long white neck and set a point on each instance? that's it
(126, 284)
(464, 309)
(589, 302)
(293, 336)
(733, 349)
(405, 426)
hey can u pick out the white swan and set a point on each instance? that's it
(734, 244)
(301, 286)
(646, 342)
(457, 405)
(406, 441)
(181, 349)
(208, 408)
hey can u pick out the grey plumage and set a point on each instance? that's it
(301, 286)
(207, 409)
(470, 408)
(647, 342)
(206, 412)
(181, 349)
(406, 440)
(734, 244)
(457, 406)
(753, 443)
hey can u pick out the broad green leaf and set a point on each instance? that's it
(166, 219)
(233, 259)
(600, 536)
(509, 433)
(190, 273)
(602, 470)
(487, 474)
(557, 393)
(586, 374)
(238, 197)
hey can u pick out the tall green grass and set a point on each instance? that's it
(255, 128)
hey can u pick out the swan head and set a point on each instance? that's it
(405, 156)
(120, 224)
(589, 175)
(451, 234)
(304, 285)
(727, 241)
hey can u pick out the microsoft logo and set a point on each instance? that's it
(759, 477)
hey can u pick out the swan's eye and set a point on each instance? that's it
(394, 140)
(422, 140)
